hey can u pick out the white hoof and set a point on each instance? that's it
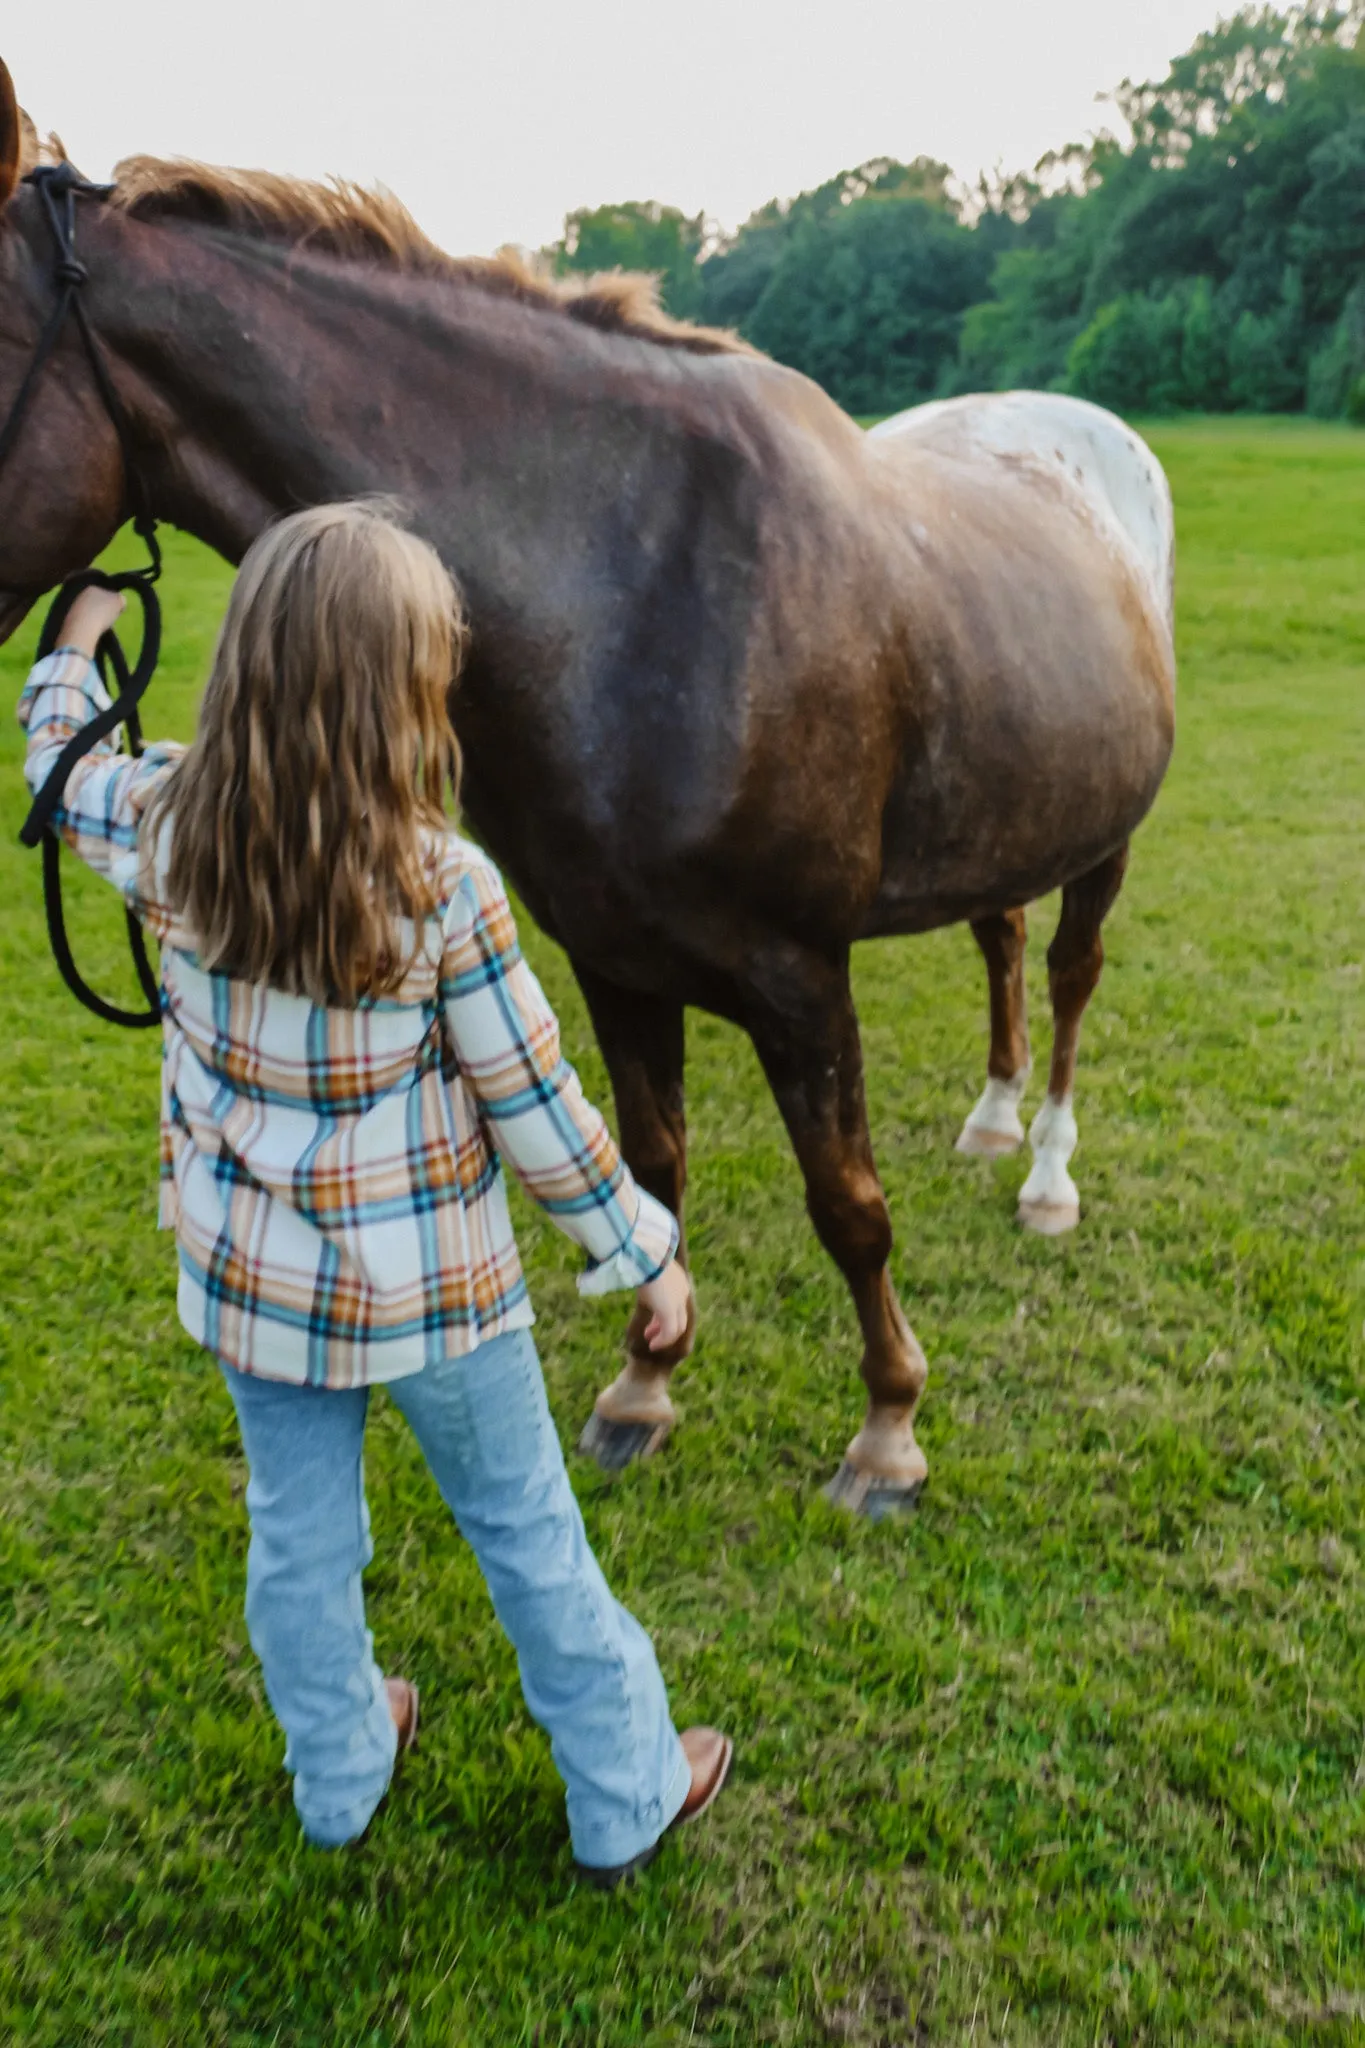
(993, 1129)
(1049, 1201)
(979, 1144)
(1049, 1219)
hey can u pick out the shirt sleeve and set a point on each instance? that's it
(107, 791)
(506, 1039)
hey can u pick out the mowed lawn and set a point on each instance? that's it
(1074, 1754)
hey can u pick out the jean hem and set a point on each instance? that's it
(608, 1847)
(335, 1830)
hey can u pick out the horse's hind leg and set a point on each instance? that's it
(1048, 1200)
(993, 1128)
(806, 1034)
(642, 1043)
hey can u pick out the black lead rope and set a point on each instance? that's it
(39, 825)
(58, 186)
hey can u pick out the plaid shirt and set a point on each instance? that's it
(333, 1176)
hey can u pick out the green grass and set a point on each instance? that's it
(1077, 1754)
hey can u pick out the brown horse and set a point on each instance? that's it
(747, 684)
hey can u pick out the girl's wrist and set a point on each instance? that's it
(91, 614)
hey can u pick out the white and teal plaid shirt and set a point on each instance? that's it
(333, 1175)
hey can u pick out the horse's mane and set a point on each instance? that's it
(352, 220)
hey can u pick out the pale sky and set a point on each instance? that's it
(492, 120)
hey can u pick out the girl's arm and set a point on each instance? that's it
(107, 791)
(506, 1039)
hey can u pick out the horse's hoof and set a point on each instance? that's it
(862, 1493)
(993, 1129)
(1049, 1219)
(976, 1143)
(614, 1445)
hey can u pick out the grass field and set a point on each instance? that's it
(1075, 1755)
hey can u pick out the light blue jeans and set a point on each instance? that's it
(588, 1670)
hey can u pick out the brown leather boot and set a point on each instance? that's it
(710, 1754)
(403, 1705)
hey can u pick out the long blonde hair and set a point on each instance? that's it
(301, 815)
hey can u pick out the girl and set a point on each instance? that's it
(353, 1047)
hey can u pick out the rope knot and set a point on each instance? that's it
(72, 271)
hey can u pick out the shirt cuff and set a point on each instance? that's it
(66, 668)
(651, 1244)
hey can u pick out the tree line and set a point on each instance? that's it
(1213, 261)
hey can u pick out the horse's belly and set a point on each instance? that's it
(1028, 771)
(1006, 808)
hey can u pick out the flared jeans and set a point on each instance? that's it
(588, 1670)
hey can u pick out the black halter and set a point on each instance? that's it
(58, 186)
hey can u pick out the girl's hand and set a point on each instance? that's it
(668, 1297)
(91, 615)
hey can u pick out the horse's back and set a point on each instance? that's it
(1103, 463)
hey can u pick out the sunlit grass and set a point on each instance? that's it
(1075, 1755)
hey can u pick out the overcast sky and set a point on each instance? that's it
(493, 119)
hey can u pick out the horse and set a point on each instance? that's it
(746, 685)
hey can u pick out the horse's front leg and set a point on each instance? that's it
(808, 1042)
(642, 1043)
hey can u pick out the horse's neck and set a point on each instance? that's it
(264, 380)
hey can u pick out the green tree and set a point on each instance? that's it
(736, 274)
(1266, 367)
(1246, 170)
(1224, 85)
(1214, 259)
(869, 299)
(1021, 335)
(1327, 237)
(1130, 355)
(1337, 370)
(1203, 353)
